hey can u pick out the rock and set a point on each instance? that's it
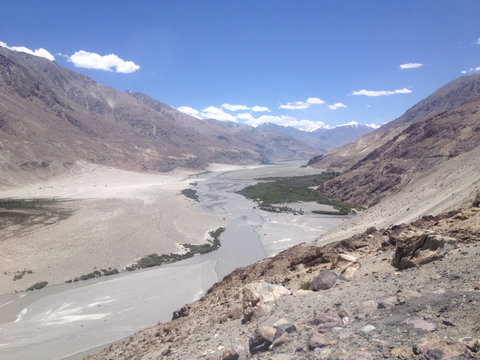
(419, 323)
(447, 322)
(327, 320)
(348, 265)
(280, 340)
(368, 328)
(387, 303)
(361, 354)
(421, 248)
(324, 281)
(301, 325)
(403, 353)
(260, 297)
(284, 325)
(319, 340)
(477, 286)
(230, 354)
(438, 349)
(261, 339)
(322, 353)
(471, 343)
(367, 306)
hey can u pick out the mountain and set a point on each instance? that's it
(51, 117)
(322, 139)
(271, 145)
(436, 130)
(444, 99)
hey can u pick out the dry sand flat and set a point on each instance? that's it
(118, 216)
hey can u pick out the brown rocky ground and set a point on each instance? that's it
(373, 311)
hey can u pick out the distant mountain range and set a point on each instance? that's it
(435, 131)
(323, 139)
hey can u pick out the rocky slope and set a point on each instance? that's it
(450, 96)
(406, 292)
(51, 116)
(414, 145)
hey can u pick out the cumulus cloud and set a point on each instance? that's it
(41, 52)
(210, 112)
(381, 92)
(213, 112)
(300, 105)
(475, 69)
(87, 60)
(305, 125)
(189, 111)
(230, 107)
(337, 106)
(255, 108)
(410, 66)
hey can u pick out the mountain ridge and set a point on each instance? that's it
(51, 117)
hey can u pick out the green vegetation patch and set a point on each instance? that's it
(38, 286)
(29, 212)
(157, 260)
(280, 190)
(190, 193)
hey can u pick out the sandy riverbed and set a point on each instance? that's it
(118, 216)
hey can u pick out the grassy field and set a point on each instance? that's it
(28, 212)
(284, 190)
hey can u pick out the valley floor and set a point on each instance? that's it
(116, 217)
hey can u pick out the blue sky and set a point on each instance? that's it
(310, 63)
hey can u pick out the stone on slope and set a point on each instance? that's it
(324, 281)
(261, 339)
(348, 265)
(319, 340)
(443, 349)
(260, 297)
(421, 248)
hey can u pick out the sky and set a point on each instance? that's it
(306, 64)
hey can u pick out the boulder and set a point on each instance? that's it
(421, 248)
(472, 343)
(347, 265)
(319, 340)
(230, 354)
(419, 323)
(261, 339)
(260, 297)
(326, 320)
(443, 349)
(323, 281)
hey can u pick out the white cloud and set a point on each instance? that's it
(475, 69)
(305, 125)
(41, 52)
(190, 111)
(410, 66)
(299, 105)
(337, 106)
(213, 112)
(230, 107)
(111, 62)
(478, 41)
(255, 108)
(381, 92)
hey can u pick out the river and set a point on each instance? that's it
(70, 320)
